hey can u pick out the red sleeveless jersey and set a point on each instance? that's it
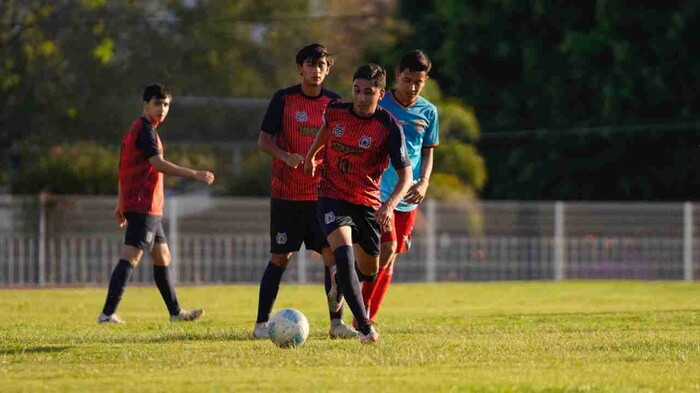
(357, 152)
(141, 184)
(295, 118)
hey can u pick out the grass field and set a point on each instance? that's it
(572, 336)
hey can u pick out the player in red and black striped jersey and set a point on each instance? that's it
(293, 118)
(359, 140)
(140, 206)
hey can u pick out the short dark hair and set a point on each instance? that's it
(155, 90)
(372, 72)
(312, 53)
(415, 61)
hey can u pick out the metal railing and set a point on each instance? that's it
(72, 240)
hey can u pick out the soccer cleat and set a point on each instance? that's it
(187, 315)
(261, 330)
(335, 296)
(110, 319)
(341, 330)
(369, 338)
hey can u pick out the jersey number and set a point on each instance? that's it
(344, 166)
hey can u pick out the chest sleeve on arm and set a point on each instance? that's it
(272, 122)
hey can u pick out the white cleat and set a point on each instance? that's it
(340, 330)
(261, 330)
(335, 296)
(110, 319)
(187, 315)
(371, 337)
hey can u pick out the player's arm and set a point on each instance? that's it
(118, 210)
(319, 142)
(417, 192)
(268, 145)
(397, 151)
(166, 167)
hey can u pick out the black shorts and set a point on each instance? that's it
(334, 213)
(293, 223)
(143, 230)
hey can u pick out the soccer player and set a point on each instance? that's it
(419, 120)
(359, 139)
(140, 206)
(291, 123)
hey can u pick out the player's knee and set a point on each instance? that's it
(131, 254)
(281, 260)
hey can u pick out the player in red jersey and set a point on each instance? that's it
(291, 123)
(359, 140)
(140, 206)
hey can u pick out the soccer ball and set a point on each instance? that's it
(288, 328)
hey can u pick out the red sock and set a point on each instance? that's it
(382, 285)
(368, 288)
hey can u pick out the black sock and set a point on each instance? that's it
(347, 279)
(162, 278)
(269, 286)
(363, 277)
(327, 282)
(120, 276)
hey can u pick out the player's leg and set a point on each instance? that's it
(160, 257)
(337, 221)
(285, 238)
(387, 252)
(338, 329)
(403, 224)
(131, 252)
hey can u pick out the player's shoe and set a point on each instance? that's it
(340, 330)
(335, 296)
(187, 315)
(261, 330)
(110, 319)
(369, 338)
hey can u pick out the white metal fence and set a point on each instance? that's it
(72, 240)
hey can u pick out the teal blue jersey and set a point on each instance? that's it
(421, 128)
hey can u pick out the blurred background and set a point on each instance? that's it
(569, 141)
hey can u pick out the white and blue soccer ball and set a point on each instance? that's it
(288, 328)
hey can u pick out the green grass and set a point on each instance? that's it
(573, 336)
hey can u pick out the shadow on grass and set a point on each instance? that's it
(33, 350)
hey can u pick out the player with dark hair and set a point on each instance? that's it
(359, 140)
(419, 120)
(291, 123)
(140, 206)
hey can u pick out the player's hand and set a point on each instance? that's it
(205, 177)
(293, 160)
(417, 192)
(119, 216)
(385, 217)
(310, 166)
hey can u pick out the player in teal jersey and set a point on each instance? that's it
(419, 119)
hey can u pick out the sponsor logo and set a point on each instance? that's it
(149, 236)
(281, 238)
(365, 142)
(420, 125)
(338, 131)
(329, 217)
(301, 116)
(345, 149)
(308, 131)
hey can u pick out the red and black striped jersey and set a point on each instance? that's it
(295, 118)
(357, 152)
(141, 184)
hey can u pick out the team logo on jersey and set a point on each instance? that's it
(281, 238)
(301, 116)
(420, 125)
(338, 131)
(329, 217)
(365, 142)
